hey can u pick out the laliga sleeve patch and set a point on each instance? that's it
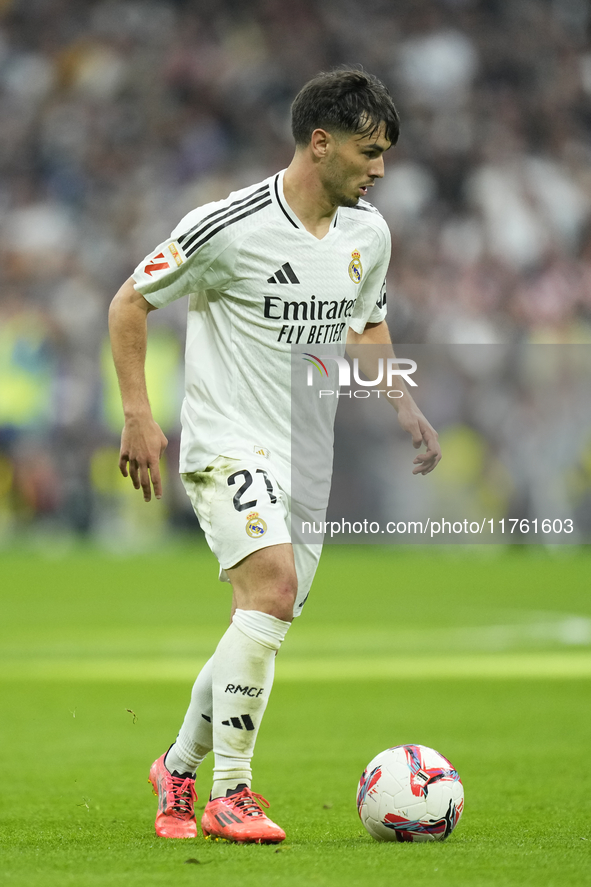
(175, 252)
(156, 266)
(163, 262)
(255, 525)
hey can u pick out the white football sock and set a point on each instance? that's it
(194, 740)
(243, 669)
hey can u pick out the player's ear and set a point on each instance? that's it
(319, 143)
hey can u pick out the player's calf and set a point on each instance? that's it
(243, 667)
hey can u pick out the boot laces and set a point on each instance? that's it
(249, 802)
(183, 795)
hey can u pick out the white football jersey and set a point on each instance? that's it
(259, 284)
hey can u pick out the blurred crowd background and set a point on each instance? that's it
(119, 116)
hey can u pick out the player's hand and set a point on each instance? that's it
(422, 432)
(142, 445)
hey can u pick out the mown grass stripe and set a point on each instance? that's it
(530, 666)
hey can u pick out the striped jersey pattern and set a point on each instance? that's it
(221, 218)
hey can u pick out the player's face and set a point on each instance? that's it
(353, 165)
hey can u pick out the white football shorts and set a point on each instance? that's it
(242, 508)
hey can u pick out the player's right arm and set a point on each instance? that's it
(142, 440)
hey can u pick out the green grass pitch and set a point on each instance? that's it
(484, 655)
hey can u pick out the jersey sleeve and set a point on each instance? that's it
(371, 302)
(187, 262)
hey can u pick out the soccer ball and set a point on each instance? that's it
(410, 793)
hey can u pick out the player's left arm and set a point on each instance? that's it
(409, 415)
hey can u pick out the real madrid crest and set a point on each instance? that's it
(255, 525)
(355, 267)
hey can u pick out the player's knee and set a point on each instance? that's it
(283, 599)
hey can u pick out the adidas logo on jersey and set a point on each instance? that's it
(285, 274)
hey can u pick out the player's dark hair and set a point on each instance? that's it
(348, 100)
